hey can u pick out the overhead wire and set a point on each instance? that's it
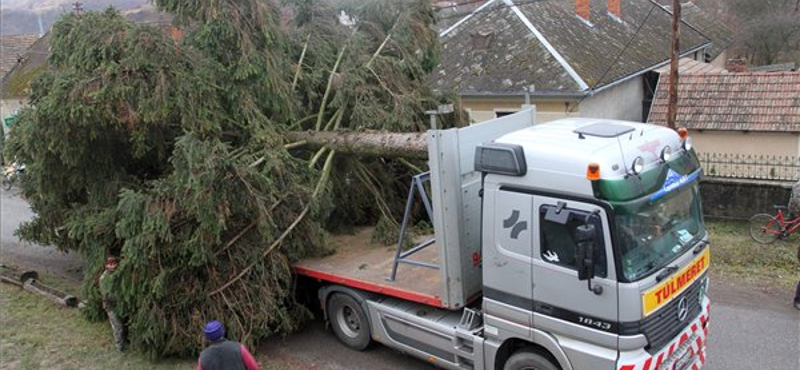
(619, 55)
(611, 65)
(490, 9)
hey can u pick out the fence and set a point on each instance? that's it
(752, 167)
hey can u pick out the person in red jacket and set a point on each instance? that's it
(223, 354)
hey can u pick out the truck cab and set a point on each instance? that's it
(631, 295)
(575, 244)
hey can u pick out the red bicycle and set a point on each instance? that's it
(766, 228)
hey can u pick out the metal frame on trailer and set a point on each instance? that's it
(417, 186)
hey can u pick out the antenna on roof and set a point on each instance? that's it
(41, 27)
(77, 7)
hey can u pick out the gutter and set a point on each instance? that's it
(539, 96)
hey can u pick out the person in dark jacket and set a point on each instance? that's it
(223, 354)
(117, 323)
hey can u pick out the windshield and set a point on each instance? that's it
(654, 233)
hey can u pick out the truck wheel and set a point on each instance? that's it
(349, 321)
(527, 359)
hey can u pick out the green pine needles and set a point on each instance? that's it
(171, 153)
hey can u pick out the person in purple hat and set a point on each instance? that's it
(223, 354)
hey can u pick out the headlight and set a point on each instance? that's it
(638, 165)
(687, 144)
(666, 154)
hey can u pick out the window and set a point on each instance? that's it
(558, 244)
(502, 113)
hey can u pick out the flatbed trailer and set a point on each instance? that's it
(360, 263)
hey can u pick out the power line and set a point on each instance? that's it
(455, 5)
(491, 9)
(624, 48)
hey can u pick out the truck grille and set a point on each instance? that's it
(661, 327)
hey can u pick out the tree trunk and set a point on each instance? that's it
(54, 295)
(369, 143)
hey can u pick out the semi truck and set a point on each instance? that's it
(575, 244)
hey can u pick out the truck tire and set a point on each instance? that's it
(349, 321)
(528, 359)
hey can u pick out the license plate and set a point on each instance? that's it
(685, 360)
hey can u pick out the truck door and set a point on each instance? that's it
(507, 261)
(565, 306)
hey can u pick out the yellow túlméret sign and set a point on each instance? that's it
(659, 295)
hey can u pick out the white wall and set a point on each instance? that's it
(484, 109)
(746, 143)
(622, 101)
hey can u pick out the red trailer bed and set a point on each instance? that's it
(360, 263)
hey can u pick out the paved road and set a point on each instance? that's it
(46, 260)
(750, 329)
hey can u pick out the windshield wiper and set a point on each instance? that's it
(666, 273)
(699, 248)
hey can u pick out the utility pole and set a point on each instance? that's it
(672, 105)
(77, 7)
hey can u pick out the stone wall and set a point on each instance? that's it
(740, 199)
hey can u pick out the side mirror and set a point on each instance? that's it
(585, 235)
(584, 253)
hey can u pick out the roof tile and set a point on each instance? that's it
(12, 47)
(752, 101)
(597, 51)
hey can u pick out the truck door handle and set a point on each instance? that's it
(545, 309)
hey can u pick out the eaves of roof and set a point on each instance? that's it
(648, 69)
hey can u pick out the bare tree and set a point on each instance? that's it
(768, 31)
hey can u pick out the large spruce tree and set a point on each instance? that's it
(172, 154)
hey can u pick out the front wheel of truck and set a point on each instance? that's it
(349, 321)
(527, 359)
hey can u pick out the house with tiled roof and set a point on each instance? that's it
(14, 51)
(12, 48)
(589, 58)
(750, 113)
(15, 88)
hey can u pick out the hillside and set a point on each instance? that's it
(36, 16)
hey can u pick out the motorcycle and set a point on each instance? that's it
(12, 174)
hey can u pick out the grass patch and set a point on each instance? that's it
(37, 334)
(734, 255)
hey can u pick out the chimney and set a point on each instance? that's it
(582, 9)
(614, 8)
(736, 65)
